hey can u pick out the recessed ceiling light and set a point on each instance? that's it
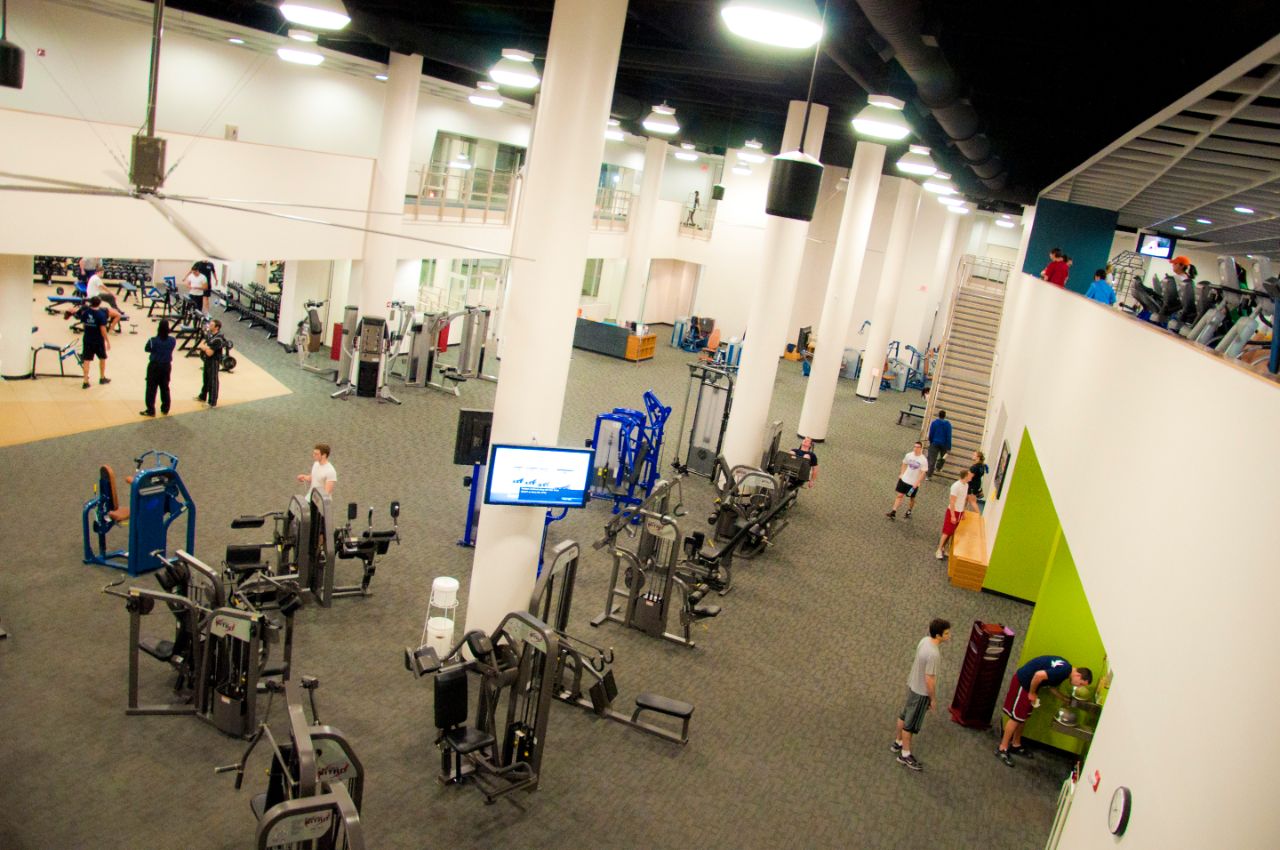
(1004, 222)
(236, 40)
(380, 77)
(1203, 221)
(299, 57)
(1179, 227)
(1245, 210)
(303, 35)
(321, 14)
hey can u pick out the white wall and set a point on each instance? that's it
(920, 294)
(304, 280)
(681, 179)
(1180, 575)
(670, 290)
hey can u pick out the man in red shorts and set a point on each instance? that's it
(1023, 697)
(956, 501)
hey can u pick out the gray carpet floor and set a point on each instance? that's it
(797, 684)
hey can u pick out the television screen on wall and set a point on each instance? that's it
(538, 476)
(1155, 245)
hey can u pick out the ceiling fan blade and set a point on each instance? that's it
(54, 182)
(304, 220)
(184, 227)
(59, 190)
(251, 202)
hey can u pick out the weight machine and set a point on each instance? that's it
(315, 784)
(628, 451)
(647, 586)
(517, 662)
(310, 338)
(157, 497)
(711, 394)
(428, 339)
(581, 662)
(368, 361)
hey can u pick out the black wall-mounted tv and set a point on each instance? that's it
(1155, 245)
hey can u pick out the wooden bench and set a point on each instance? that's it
(912, 410)
(967, 566)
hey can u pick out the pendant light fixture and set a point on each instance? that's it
(687, 153)
(12, 62)
(299, 57)
(948, 200)
(796, 176)
(662, 120)
(917, 161)
(752, 153)
(613, 131)
(320, 14)
(781, 23)
(515, 69)
(940, 184)
(461, 162)
(1005, 221)
(882, 118)
(486, 95)
(302, 35)
(742, 169)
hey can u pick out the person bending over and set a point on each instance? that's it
(1023, 697)
(94, 286)
(323, 476)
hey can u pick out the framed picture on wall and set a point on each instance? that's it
(1001, 468)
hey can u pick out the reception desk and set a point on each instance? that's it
(613, 340)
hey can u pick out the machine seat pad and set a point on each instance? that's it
(466, 740)
(119, 515)
(245, 569)
(258, 805)
(161, 650)
(705, 610)
(665, 705)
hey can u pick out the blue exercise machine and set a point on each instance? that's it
(628, 447)
(157, 497)
(693, 334)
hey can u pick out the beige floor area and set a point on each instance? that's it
(47, 407)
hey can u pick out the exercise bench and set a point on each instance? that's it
(683, 711)
(65, 352)
(915, 411)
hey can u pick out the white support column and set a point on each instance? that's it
(943, 277)
(399, 111)
(904, 216)
(771, 306)
(542, 300)
(15, 315)
(842, 288)
(640, 233)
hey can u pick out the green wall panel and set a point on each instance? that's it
(1062, 624)
(1026, 532)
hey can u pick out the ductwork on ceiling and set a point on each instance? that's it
(901, 24)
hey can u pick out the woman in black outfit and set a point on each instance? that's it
(161, 347)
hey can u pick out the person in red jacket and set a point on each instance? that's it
(1056, 271)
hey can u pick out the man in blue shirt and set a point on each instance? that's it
(939, 443)
(159, 366)
(1100, 290)
(1023, 697)
(94, 319)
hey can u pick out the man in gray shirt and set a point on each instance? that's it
(922, 687)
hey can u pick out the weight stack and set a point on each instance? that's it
(982, 674)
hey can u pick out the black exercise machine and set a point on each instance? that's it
(517, 662)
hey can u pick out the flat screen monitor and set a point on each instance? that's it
(1155, 245)
(538, 476)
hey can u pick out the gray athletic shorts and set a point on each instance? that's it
(913, 712)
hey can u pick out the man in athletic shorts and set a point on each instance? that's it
(956, 501)
(95, 319)
(922, 691)
(914, 467)
(1023, 697)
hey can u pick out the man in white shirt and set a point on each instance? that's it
(914, 467)
(197, 289)
(323, 476)
(95, 287)
(955, 511)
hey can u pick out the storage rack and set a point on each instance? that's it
(982, 674)
(255, 304)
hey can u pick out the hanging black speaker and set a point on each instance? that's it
(11, 64)
(717, 192)
(793, 186)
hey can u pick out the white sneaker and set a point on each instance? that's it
(939, 555)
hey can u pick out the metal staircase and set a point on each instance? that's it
(962, 382)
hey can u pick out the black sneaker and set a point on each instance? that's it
(146, 413)
(896, 747)
(1004, 757)
(910, 761)
(85, 385)
(892, 514)
(1021, 751)
(907, 515)
(104, 380)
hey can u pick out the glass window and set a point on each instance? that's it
(591, 278)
